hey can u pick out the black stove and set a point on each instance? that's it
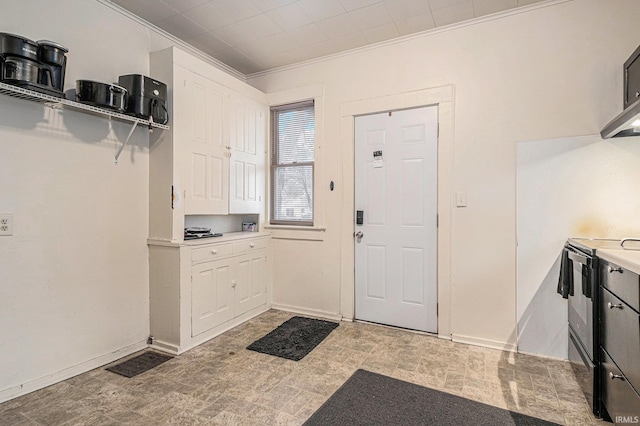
(578, 283)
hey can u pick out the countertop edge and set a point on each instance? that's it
(628, 259)
(227, 237)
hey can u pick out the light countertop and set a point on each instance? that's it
(628, 259)
(228, 236)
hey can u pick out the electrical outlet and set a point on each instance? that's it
(6, 224)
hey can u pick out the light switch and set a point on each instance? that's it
(461, 199)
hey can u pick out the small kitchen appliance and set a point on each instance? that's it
(627, 123)
(196, 232)
(38, 66)
(147, 97)
(103, 95)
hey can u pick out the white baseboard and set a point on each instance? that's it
(165, 347)
(555, 358)
(192, 342)
(58, 376)
(493, 344)
(310, 312)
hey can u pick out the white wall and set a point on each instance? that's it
(573, 187)
(553, 71)
(74, 276)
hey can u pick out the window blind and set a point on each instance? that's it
(292, 164)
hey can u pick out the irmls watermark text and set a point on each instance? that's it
(627, 419)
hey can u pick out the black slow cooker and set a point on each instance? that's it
(103, 95)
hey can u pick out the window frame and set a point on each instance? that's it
(274, 166)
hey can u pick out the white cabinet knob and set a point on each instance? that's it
(214, 251)
(252, 245)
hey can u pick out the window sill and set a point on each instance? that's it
(292, 232)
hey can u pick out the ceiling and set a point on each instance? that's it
(256, 35)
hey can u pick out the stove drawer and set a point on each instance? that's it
(619, 398)
(620, 335)
(621, 282)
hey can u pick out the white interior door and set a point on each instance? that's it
(396, 188)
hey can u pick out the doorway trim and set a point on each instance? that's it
(442, 97)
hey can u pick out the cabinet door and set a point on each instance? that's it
(199, 139)
(250, 284)
(212, 295)
(248, 133)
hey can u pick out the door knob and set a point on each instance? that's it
(358, 234)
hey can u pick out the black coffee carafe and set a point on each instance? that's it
(54, 63)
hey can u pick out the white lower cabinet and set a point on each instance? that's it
(212, 295)
(224, 289)
(249, 283)
(199, 291)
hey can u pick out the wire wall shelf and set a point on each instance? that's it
(61, 103)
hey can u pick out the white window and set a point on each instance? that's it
(292, 164)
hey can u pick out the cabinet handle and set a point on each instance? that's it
(233, 283)
(252, 245)
(615, 376)
(214, 251)
(612, 270)
(618, 306)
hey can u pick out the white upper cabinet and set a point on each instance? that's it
(212, 161)
(248, 133)
(201, 135)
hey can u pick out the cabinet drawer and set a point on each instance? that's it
(621, 335)
(621, 282)
(211, 252)
(621, 401)
(245, 246)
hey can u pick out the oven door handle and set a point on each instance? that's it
(584, 260)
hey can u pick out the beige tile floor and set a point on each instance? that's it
(220, 382)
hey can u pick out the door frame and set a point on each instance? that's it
(442, 97)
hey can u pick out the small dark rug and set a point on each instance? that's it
(368, 398)
(139, 364)
(294, 339)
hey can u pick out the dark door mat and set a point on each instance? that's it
(139, 364)
(294, 339)
(368, 398)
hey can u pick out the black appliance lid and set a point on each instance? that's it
(18, 37)
(52, 44)
(100, 83)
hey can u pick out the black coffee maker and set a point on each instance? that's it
(38, 66)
